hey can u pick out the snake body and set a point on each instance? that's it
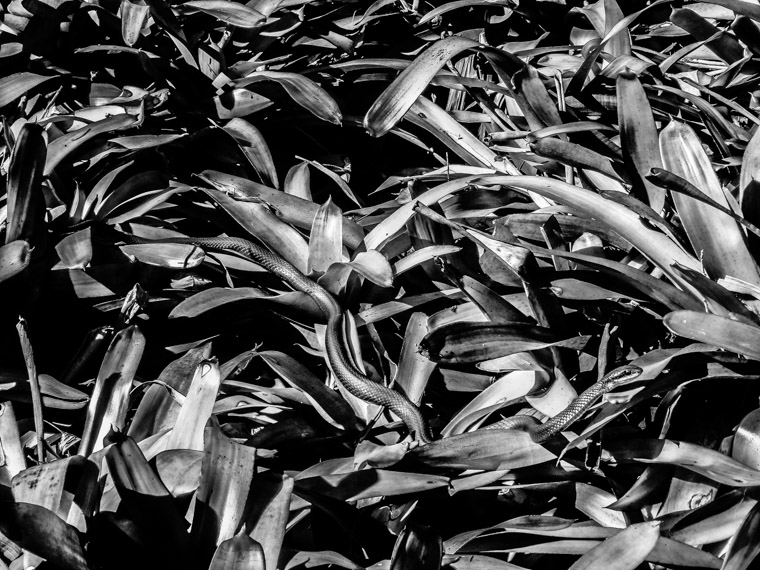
(342, 364)
(542, 432)
(355, 381)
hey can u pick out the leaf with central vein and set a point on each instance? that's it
(467, 342)
(638, 137)
(726, 333)
(716, 236)
(660, 249)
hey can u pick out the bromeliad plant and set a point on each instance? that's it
(508, 198)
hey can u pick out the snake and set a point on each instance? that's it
(540, 433)
(342, 364)
(355, 381)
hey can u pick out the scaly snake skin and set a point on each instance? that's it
(542, 432)
(349, 375)
(356, 382)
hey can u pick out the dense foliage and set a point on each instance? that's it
(509, 199)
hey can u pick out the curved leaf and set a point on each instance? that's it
(326, 238)
(461, 343)
(26, 204)
(64, 145)
(254, 146)
(15, 85)
(744, 547)
(14, 258)
(110, 397)
(638, 137)
(624, 551)
(303, 91)
(196, 409)
(240, 552)
(42, 532)
(721, 331)
(398, 98)
(712, 464)
(134, 14)
(227, 11)
(716, 236)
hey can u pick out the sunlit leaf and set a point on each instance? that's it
(624, 551)
(715, 235)
(238, 553)
(14, 86)
(702, 460)
(228, 469)
(14, 258)
(721, 331)
(26, 207)
(187, 432)
(134, 14)
(639, 136)
(108, 405)
(227, 11)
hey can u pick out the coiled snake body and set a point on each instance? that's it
(342, 364)
(355, 381)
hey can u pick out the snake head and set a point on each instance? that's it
(622, 375)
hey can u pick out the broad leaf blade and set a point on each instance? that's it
(721, 331)
(109, 404)
(638, 135)
(714, 234)
(26, 204)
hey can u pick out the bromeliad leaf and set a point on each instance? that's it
(255, 148)
(460, 343)
(638, 135)
(303, 91)
(238, 553)
(624, 551)
(134, 14)
(707, 462)
(14, 258)
(15, 85)
(65, 145)
(325, 243)
(227, 11)
(226, 475)
(26, 204)
(196, 409)
(108, 406)
(715, 235)
(726, 333)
